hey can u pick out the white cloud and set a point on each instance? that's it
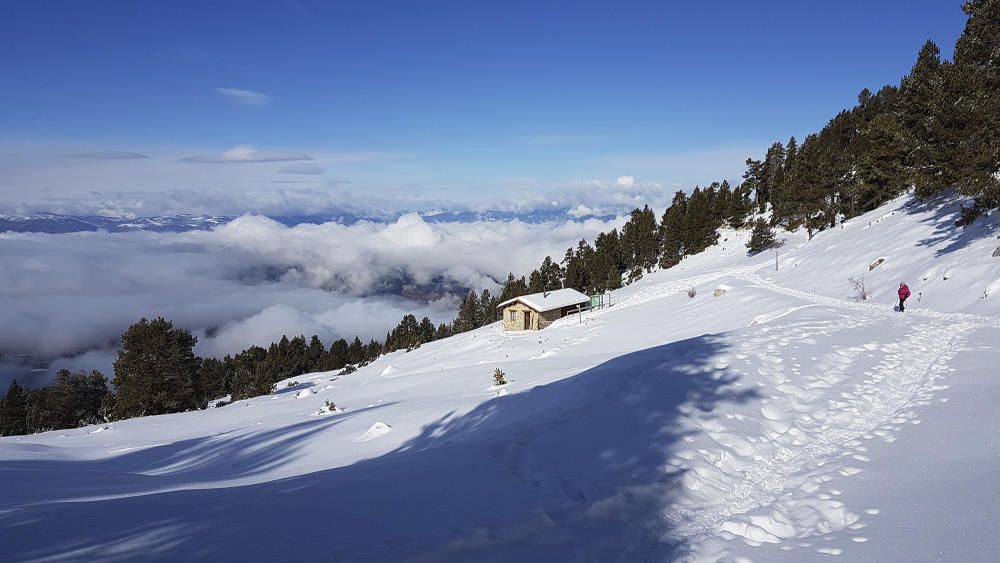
(246, 154)
(583, 211)
(252, 280)
(245, 97)
(625, 181)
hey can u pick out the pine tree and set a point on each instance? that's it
(488, 311)
(215, 378)
(672, 231)
(584, 255)
(536, 283)
(922, 100)
(337, 356)
(761, 238)
(13, 411)
(550, 274)
(811, 183)
(606, 267)
(75, 398)
(468, 314)
(975, 98)
(640, 242)
(427, 331)
(274, 365)
(155, 368)
(313, 356)
(575, 273)
(248, 377)
(443, 331)
(614, 280)
(408, 333)
(783, 196)
(373, 350)
(773, 171)
(700, 223)
(837, 167)
(782, 199)
(738, 207)
(356, 352)
(754, 180)
(513, 287)
(297, 355)
(882, 166)
(39, 416)
(612, 242)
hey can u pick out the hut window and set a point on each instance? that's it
(513, 316)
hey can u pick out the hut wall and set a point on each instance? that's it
(538, 320)
(517, 323)
(547, 318)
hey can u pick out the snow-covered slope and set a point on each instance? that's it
(770, 417)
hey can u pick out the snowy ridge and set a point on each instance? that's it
(776, 419)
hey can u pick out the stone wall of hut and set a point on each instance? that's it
(537, 321)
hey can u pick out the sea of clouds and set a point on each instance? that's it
(65, 299)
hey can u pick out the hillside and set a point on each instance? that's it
(782, 420)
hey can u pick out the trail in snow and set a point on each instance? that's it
(871, 308)
(800, 446)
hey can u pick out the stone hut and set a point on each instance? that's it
(539, 310)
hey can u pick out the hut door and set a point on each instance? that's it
(527, 320)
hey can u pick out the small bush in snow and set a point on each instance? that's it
(499, 377)
(692, 292)
(348, 369)
(330, 405)
(860, 286)
(292, 384)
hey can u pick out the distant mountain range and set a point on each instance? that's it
(57, 224)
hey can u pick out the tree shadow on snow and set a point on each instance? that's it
(198, 461)
(943, 210)
(573, 470)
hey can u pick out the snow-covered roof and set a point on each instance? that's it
(548, 301)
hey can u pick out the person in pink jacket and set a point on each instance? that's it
(903, 292)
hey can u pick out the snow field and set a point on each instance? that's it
(732, 428)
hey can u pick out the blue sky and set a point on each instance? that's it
(443, 98)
